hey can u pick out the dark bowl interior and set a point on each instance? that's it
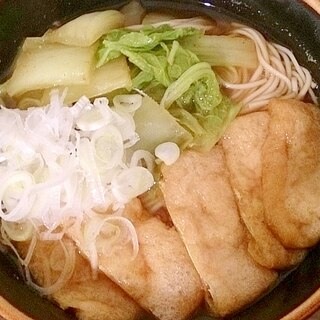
(288, 22)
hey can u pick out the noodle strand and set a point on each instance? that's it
(278, 75)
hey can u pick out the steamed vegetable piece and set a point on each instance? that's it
(191, 90)
(157, 19)
(155, 125)
(50, 65)
(86, 29)
(162, 68)
(223, 51)
(31, 43)
(3, 91)
(112, 76)
(133, 12)
(64, 57)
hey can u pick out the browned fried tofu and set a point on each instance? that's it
(291, 173)
(242, 144)
(92, 299)
(161, 278)
(202, 206)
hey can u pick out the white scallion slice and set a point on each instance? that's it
(18, 231)
(90, 120)
(60, 163)
(141, 156)
(168, 152)
(127, 102)
(14, 195)
(130, 183)
(108, 146)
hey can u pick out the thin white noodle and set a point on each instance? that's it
(273, 89)
(257, 38)
(313, 96)
(292, 59)
(255, 106)
(257, 74)
(238, 86)
(231, 73)
(259, 91)
(287, 63)
(239, 95)
(307, 84)
(278, 75)
(277, 63)
(272, 70)
(294, 85)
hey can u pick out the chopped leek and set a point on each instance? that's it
(168, 152)
(59, 162)
(18, 231)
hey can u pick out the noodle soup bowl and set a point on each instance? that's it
(294, 24)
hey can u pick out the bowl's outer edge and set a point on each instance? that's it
(311, 305)
(306, 309)
(9, 312)
(315, 4)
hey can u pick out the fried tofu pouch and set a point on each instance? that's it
(91, 299)
(202, 206)
(291, 173)
(161, 278)
(242, 144)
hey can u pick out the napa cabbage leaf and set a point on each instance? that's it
(175, 77)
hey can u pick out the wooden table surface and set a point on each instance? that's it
(316, 316)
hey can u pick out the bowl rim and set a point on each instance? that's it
(312, 304)
(301, 312)
(314, 4)
(306, 309)
(9, 312)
